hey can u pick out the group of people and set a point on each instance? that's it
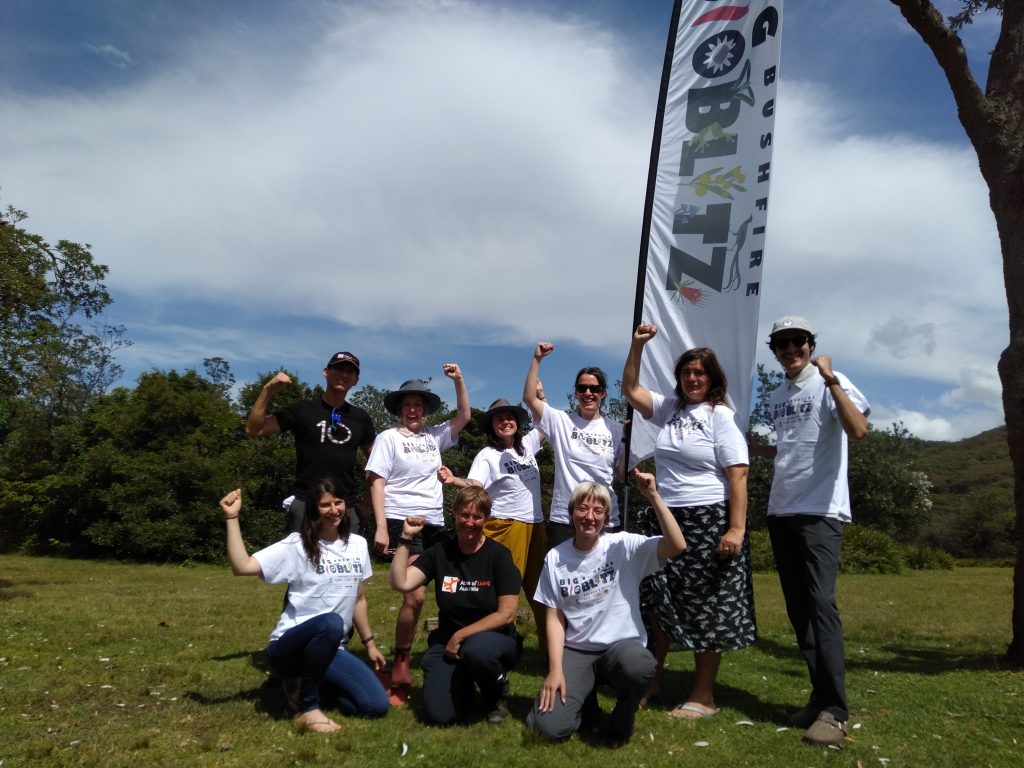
(608, 603)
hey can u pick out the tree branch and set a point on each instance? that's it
(973, 107)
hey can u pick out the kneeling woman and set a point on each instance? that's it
(591, 585)
(476, 585)
(325, 567)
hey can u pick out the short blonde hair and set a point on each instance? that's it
(591, 490)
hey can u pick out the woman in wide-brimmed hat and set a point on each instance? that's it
(507, 470)
(402, 470)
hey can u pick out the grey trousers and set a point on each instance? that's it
(626, 666)
(806, 551)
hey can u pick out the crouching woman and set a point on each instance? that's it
(476, 585)
(325, 567)
(595, 632)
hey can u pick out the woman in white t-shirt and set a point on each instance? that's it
(590, 585)
(587, 444)
(325, 567)
(402, 470)
(703, 600)
(507, 469)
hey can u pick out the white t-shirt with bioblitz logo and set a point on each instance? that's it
(409, 464)
(513, 481)
(599, 590)
(584, 450)
(331, 587)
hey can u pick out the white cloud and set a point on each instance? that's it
(978, 383)
(120, 59)
(383, 163)
(419, 164)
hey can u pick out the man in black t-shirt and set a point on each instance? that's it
(328, 431)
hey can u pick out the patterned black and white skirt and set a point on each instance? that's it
(702, 601)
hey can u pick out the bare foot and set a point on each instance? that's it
(315, 721)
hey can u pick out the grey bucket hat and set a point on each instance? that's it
(393, 400)
(501, 404)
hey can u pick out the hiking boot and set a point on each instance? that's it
(499, 714)
(826, 730)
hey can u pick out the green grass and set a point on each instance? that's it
(128, 665)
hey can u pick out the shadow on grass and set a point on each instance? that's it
(10, 591)
(268, 698)
(676, 684)
(920, 661)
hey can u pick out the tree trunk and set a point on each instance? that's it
(994, 122)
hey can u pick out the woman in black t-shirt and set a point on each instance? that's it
(476, 584)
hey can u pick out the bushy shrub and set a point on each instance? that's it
(921, 558)
(866, 550)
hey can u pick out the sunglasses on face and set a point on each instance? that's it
(582, 389)
(786, 341)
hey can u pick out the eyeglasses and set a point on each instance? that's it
(339, 431)
(785, 341)
(582, 389)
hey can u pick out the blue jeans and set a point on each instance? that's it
(311, 652)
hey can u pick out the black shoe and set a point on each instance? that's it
(592, 719)
(499, 713)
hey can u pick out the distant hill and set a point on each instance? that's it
(972, 494)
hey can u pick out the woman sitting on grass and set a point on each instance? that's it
(325, 567)
(476, 585)
(591, 585)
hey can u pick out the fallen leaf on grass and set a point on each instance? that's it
(701, 744)
(743, 722)
(781, 728)
(405, 749)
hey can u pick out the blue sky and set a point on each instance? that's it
(424, 181)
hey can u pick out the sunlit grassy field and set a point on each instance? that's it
(126, 665)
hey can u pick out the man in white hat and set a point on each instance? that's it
(328, 431)
(814, 411)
